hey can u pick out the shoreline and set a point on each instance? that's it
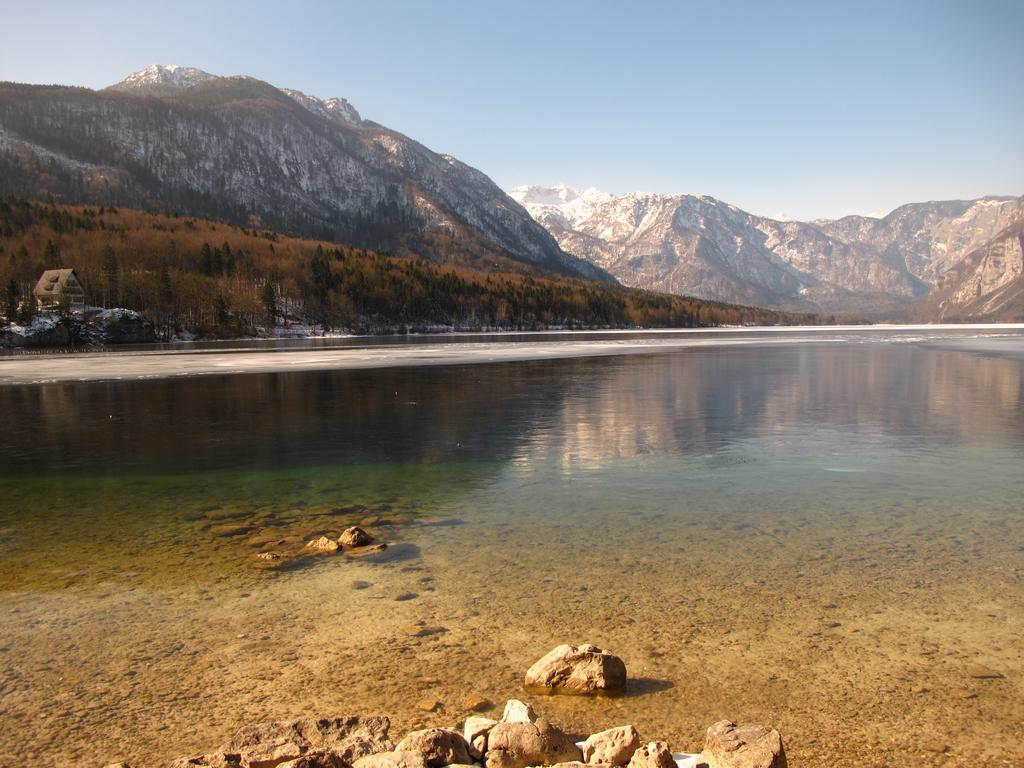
(163, 363)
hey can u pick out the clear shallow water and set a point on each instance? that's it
(825, 537)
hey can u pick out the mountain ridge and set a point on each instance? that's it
(241, 149)
(697, 245)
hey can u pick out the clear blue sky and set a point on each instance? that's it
(808, 108)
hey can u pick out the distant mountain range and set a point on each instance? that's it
(238, 148)
(928, 261)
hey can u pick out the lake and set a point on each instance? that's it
(824, 533)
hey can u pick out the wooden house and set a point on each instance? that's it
(59, 288)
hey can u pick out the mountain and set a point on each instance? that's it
(987, 283)
(238, 148)
(881, 267)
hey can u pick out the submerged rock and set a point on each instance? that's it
(321, 758)
(370, 549)
(577, 670)
(614, 746)
(354, 536)
(743, 746)
(395, 759)
(520, 745)
(477, 705)
(213, 760)
(654, 754)
(267, 745)
(439, 746)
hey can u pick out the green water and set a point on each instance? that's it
(821, 536)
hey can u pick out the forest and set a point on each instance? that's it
(214, 279)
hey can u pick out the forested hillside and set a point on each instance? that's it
(215, 279)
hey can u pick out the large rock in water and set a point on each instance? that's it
(743, 746)
(439, 746)
(612, 747)
(354, 536)
(577, 669)
(520, 745)
(267, 745)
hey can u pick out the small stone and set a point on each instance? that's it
(232, 529)
(403, 596)
(577, 670)
(323, 544)
(429, 705)
(361, 585)
(654, 754)
(477, 705)
(420, 630)
(517, 711)
(614, 746)
(980, 672)
(269, 556)
(728, 745)
(354, 536)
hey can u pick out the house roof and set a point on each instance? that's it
(52, 282)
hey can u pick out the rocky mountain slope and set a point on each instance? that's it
(241, 149)
(889, 267)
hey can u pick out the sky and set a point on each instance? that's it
(801, 109)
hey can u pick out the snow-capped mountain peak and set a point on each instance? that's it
(559, 205)
(164, 75)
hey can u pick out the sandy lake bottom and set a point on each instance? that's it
(826, 538)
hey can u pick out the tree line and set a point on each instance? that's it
(215, 279)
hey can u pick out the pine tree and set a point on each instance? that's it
(27, 311)
(51, 254)
(206, 260)
(220, 309)
(109, 270)
(11, 300)
(269, 298)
